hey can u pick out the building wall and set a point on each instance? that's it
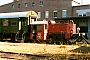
(83, 9)
(48, 5)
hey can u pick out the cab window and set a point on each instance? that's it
(13, 23)
(24, 22)
(39, 27)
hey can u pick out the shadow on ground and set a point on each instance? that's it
(58, 57)
(82, 49)
(18, 56)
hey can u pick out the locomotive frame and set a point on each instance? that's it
(59, 33)
(52, 32)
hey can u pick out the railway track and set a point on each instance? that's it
(20, 56)
(17, 56)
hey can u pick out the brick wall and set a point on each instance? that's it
(49, 5)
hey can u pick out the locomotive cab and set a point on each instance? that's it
(39, 30)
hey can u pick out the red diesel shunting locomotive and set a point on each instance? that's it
(65, 28)
(50, 30)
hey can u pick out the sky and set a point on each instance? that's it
(2, 2)
(82, 2)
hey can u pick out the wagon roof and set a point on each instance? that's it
(18, 14)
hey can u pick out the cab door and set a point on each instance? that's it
(24, 24)
(34, 31)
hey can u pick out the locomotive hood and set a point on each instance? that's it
(39, 22)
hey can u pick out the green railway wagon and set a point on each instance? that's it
(14, 23)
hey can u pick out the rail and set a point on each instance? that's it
(80, 38)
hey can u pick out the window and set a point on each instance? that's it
(26, 5)
(82, 14)
(13, 23)
(33, 4)
(23, 22)
(54, 14)
(64, 13)
(39, 15)
(79, 15)
(46, 14)
(5, 22)
(41, 3)
(39, 28)
(13, 6)
(19, 5)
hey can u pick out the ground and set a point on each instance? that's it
(34, 51)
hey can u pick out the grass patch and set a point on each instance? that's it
(62, 46)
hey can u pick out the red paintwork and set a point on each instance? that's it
(40, 34)
(52, 27)
(65, 28)
(55, 28)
